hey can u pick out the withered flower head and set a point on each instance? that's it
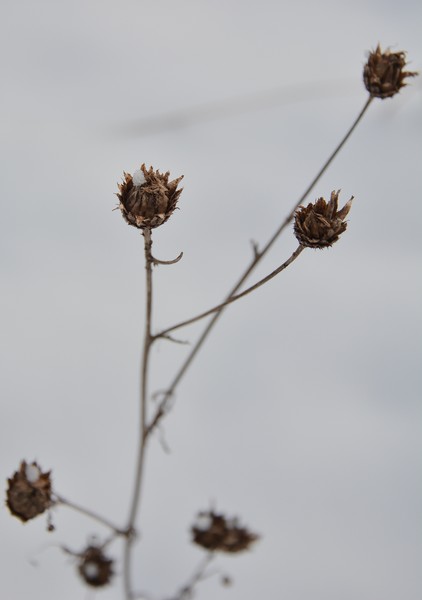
(383, 74)
(319, 225)
(94, 567)
(29, 492)
(148, 198)
(217, 532)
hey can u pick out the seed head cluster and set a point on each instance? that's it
(384, 73)
(94, 567)
(320, 224)
(214, 531)
(148, 198)
(29, 492)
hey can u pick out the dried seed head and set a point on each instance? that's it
(383, 74)
(319, 225)
(94, 567)
(29, 492)
(148, 198)
(216, 532)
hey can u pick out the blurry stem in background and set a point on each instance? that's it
(134, 507)
(250, 289)
(199, 574)
(88, 513)
(258, 254)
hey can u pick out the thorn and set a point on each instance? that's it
(255, 248)
(156, 261)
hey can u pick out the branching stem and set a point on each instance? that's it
(146, 429)
(250, 289)
(89, 513)
(258, 255)
(199, 574)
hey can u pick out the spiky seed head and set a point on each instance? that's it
(320, 224)
(29, 491)
(384, 74)
(94, 567)
(214, 532)
(148, 198)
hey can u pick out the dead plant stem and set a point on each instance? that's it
(145, 430)
(135, 502)
(89, 513)
(250, 289)
(258, 255)
(187, 591)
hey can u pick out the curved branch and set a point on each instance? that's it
(250, 289)
(259, 254)
(156, 261)
(89, 513)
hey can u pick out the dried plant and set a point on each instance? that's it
(29, 492)
(215, 532)
(94, 567)
(320, 224)
(384, 74)
(147, 199)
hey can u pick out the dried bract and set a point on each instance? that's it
(383, 74)
(29, 492)
(94, 567)
(217, 532)
(319, 225)
(148, 198)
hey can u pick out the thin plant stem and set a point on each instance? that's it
(250, 289)
(134, 507)
(258, 255)
(199, 574)
(89, 513)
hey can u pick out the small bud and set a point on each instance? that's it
(148, 198)
(94, 567)
(29, 492)
(383, 74)
(216, 532)
(319, 225)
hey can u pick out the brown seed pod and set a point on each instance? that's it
(215, 532)
(383, 74)
(29, 492)
(94, 567)
(319, 225)
(148, 198)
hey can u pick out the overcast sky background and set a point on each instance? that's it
(302, 412)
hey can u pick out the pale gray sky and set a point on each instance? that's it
(302, 413)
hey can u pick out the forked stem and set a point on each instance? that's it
(146, 429)
(187, 591)
(258, 255)
(89, 513)
(250, 289)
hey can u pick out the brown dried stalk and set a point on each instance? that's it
(258, 255)
(58, 499)
(219, 307)
(146, 429)
(148, 339)
(199, 575)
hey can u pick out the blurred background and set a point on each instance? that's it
(301, 415)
